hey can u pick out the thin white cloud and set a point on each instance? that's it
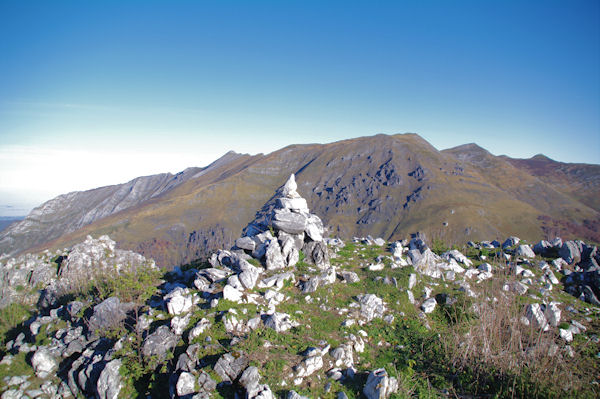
(36, 174)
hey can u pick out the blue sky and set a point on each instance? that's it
(96, 93)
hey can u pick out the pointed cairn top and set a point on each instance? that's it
(289, 188)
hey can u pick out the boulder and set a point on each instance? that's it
(511, 242)
(380, 242)
(43, 363)
(180, 323)
(371, 306)
(457, 256)
(290, 222)
(349, 277)
(274, 259)
(178, 301)
(254, 390)
(108, 314)
(309, 365)
(249, 276)
(429, 305)
(232, 294)
(186, 384)
(552, 313)
(246, 243)
(159, 343)
(199, 328)
(343, 356)
(314, 228)
(535, 315)
(289, 249)
(525, 251)
(206, 384)
(229, 367)
(109, 383)
(379, 385)
(276, 281)
(570, 252)
(295, 395)
(279, 322)
(317, 254)
(293, 204)
(412, 280)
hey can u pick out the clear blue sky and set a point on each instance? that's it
(98, 93)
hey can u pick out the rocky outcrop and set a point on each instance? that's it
(46, 278)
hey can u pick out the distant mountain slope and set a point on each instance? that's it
(581, 181)
(6, 221)
(69, 212)
(385, 185)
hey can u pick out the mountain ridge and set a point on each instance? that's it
(388, 185)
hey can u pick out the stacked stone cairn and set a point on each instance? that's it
(281, 230)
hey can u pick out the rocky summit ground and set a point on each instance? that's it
(287, 312)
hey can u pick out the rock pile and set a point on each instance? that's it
(44, 278)
(282, 230)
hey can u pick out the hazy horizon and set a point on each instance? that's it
(98, 94)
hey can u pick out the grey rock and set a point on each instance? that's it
(229, 367)
(412, 281)
(371, 306)
(525, 251)
(109, 383)
(343, 356)
(205, 383)
(289, 249)
(250, 381)
(249, 276)
(511, 242)
(311, 285)
(43, 363)
(429, 305)
(542, 247)
(246, 243)
(159, 343)
(379, 385)
(309, 365)
(295, 395)
(316, 253)
(232, 294)
(273, 257)
(349, 277)
(314, 228)
(279, 322)
(457, 256)
(108, 314)
(290, 222)
(535, 315)
(552, 313)
(186, 384)
(180, 323)
(185, 363)
(380, 242)
(589, 296)
(570, 252)
(276, 281)
(178, 301)
(203, 325)
(73, 308)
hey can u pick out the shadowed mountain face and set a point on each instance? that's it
(388, 186)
